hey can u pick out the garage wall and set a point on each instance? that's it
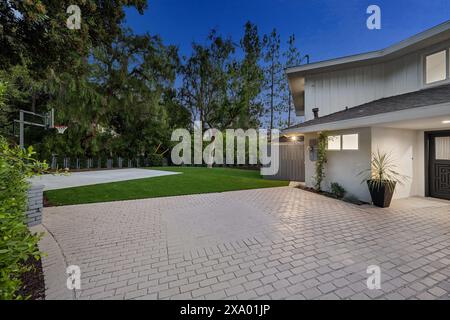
(343, 166)
(407, 150)
(406, 146)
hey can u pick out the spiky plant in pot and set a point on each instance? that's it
(382, 178)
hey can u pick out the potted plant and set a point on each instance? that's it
(382, 178)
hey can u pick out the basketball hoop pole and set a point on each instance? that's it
(21, 129)
(48, 123)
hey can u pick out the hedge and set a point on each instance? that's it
(17, 244)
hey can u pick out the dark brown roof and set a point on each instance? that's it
(416, 99)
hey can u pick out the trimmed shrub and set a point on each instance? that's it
(17, 244)
(155, 160)
(337, 190)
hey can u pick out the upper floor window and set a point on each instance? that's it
(436, 65)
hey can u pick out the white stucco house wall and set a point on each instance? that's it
(395, 100)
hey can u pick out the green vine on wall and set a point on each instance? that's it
(321, 160)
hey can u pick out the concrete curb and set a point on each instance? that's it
(54, 266)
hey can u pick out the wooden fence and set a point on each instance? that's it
(292, 162)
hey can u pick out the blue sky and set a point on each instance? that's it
(324, 28)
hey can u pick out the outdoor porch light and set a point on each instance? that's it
(294, 138)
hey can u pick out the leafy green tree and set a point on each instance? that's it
(80, 106)
(179, 116)
(134, 78)
(206, 82)
(36, 30)
(118, 107)
(37, 47)
(25, 92)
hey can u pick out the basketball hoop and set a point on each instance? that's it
(61, 129)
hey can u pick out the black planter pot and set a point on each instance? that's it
(382, 194)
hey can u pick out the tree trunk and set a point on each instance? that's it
(289, 110)
(33, 102)
(271, 97)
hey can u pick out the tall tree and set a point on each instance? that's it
(251, 77)
(205, 82)
(36, 43)
(292, 58)
(37, 31)
(274, 81)
(179, 116)
(117, 109)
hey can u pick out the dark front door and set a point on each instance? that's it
(439, 165)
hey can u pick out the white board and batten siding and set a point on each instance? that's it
(334, 91)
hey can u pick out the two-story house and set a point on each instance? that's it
(395, 100)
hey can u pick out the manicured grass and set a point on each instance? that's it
(190, 181)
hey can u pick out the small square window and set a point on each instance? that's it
(334, 143)
(436, 67)
(350, 142)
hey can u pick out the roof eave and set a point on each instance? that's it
(442, 109)
(387, 53)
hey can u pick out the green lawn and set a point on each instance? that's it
(191, 181)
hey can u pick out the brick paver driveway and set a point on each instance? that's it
(272, 244)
